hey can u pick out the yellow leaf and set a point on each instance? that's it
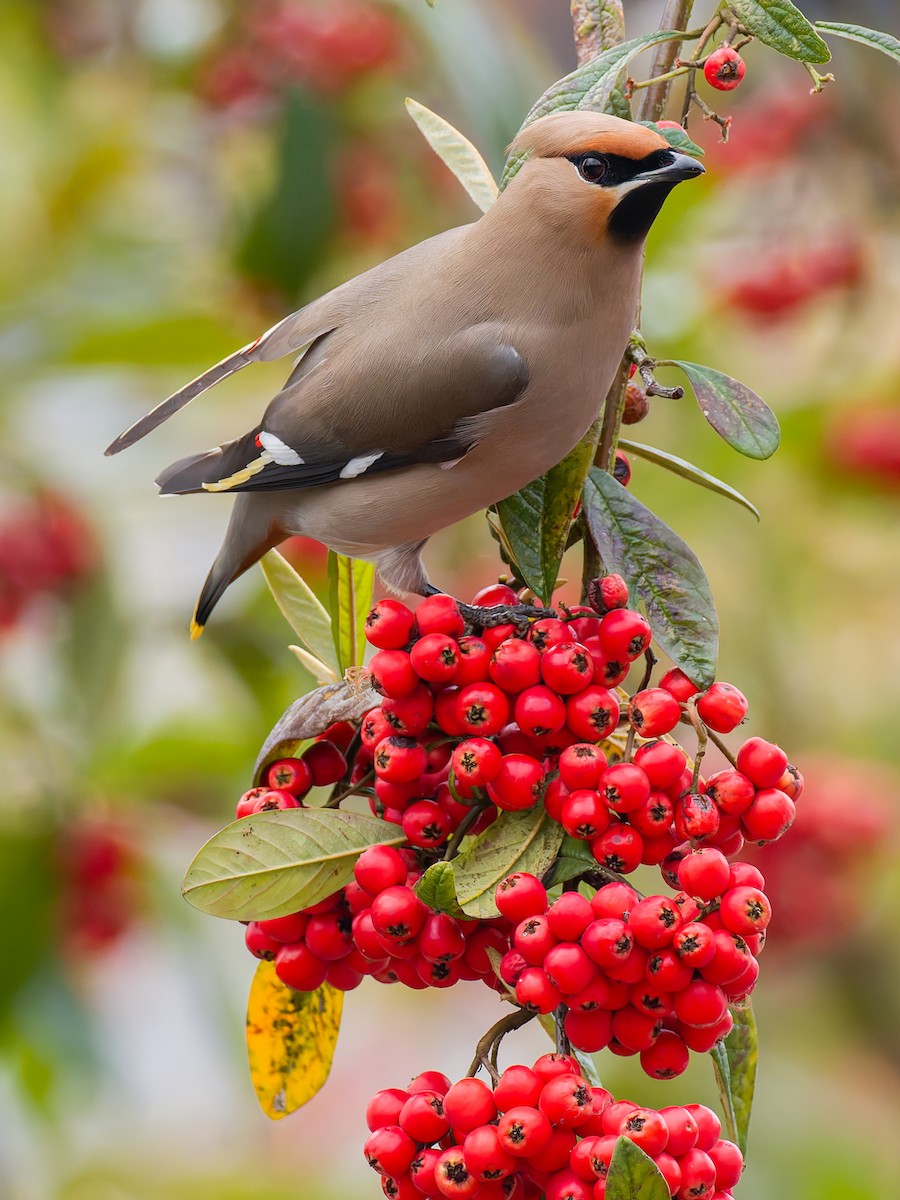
(291, 1038)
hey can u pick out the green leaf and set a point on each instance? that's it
(661, 570)
(678, 466)
(866, 37)
(301, 607)
(782, 26)
(735, 412)
(281, 861)
(735, 1060)
(350, 583)
(457, 152)
(291, 1038)
(517, 841)
(574, 859)
(589, 86)
(536, 521)
(320, 671)
(437, 889)
(633, 1175)
(678, 139)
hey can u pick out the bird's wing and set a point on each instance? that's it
(343, 415)
(293, 333)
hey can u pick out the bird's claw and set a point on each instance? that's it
(479, 616)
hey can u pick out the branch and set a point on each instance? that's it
(598, 24)
(676, 15)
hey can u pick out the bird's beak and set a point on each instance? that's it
(679, 167)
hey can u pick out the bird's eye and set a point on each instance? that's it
(592, 168)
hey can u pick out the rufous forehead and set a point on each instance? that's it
(563, 135)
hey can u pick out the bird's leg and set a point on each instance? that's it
(487, 616)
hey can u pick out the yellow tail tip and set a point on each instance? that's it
(196, 630)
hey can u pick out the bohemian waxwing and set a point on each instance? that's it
(448, 377)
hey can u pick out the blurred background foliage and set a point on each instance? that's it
(176, 175)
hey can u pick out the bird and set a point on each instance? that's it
(447, 377)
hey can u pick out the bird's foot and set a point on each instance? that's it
(480, 616)
(489, 616)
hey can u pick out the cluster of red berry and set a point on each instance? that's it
(780, 282)
(540, 1131)
(100, 892)
(651, 976)
(45, 547)
(324, 47)
(378, 926)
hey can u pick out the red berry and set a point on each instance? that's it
(520, 896)
(389, 625)
(624, 633)
(392, 673)
(518, 1087)
(745, 910)
(399, 759)
(700, 1003)
(566, 1100)
(567, 668)
(581, 765)
(374, 728)
(380, 867)
(555, 1155)
(762, 762)
(409, 715)
(340, 734)
(709, 1127)
(729, 1164)
(260, 944)
(569, 916)
(653, 712)
(384, 1108)
(476, 761)
(593, 713)
(669, 1169)
(536, 991)
(539, 711)
(722, 707)
(695, 945)
(590, 1031)
(698, 1175)
(290, 775)
(426, 824)
(662, 763)
(704, 874)
(584, 815)
(769, 816)
(272, 800)
(326, 763)
(666, 1058)
(474, 657)
(398, 914)
(696, 817)
(328, 935)
(533, 939)
(619, 848)
(486, 1157)
(549, 632)
(481, 708)
(607, 593)
(682, 1128)
(429, 1081)
(422, 1117)
(515, 665)
(724, 69)
(653, 818)
(439, 614)
(468, 1104)
(389, 1150)
(624, 787)
(654, 921)
(569, 967)
(518, 784)
(435, 658)
(647, 1129)
(453, 1177)
(548, 1066)
(746, 875)
(299, 968)
(732, 791)
(677, 684)
(608, 941)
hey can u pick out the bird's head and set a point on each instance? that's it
(598, 173)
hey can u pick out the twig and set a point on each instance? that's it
(720, 745)
(702, 739)
(463, 828)
(356, 789)
(494, 1037)
(563, 1045)
(676, 15)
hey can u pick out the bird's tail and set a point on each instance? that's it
(216, 470)
(252, 532)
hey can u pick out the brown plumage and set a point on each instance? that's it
(449, 376)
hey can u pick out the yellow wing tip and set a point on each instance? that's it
(196, 630)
